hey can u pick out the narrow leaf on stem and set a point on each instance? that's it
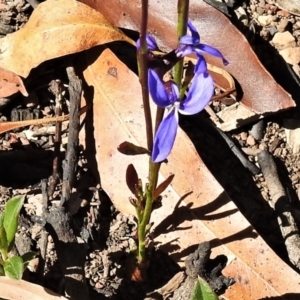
(128, 148)
(162, 186)
(132, 179)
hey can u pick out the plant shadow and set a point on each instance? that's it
(236, 181)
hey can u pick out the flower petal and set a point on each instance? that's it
(165, 136)
(203, 48)
(194, 32)
(199, 94)
(151, 43)
(157, 90)
(201, 65)
(186, 40)
(190, 40)
(184, 50)
(172, 91)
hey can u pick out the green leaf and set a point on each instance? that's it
(13, 267)
(27, 257)
(1, 219)
(202, 291)
(11, 216)
(3, 243)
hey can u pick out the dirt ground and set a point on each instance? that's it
(105, 235)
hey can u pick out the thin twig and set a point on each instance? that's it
(70, 162)
(44, 237)
(279, 201)
(56, 87)
(239, 154)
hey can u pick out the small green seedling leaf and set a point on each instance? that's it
(27, 257)
(3, 243)
(202, 291)
(1, 219)
(11, 216)
(13, 267)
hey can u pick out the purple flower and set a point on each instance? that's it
(151, 42)
(191, 44)
(166, 95)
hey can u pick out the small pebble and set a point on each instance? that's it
(260, 10)
(244, 136)
(251, 140)
(281, 27)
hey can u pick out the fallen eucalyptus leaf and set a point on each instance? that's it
(260, 92)
(55, 28)
(194, 207)
(10, 84)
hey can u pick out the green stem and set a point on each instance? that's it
(183, 12)
(159, 116)
(153, 177)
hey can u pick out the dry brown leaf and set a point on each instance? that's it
(22, 290)
(10, 84)
(261, 93)
(56, 28)
(117, 116)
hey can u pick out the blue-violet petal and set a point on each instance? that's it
(157, 90)
(151, 43)
(184, 50)
(165, 136)
(201, 65)
(199, 94)
(203, 48)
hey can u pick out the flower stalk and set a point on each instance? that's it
(143, 75)
(144, 213)
(171, 102)
(183, 12)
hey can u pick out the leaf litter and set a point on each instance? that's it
(252, 282)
